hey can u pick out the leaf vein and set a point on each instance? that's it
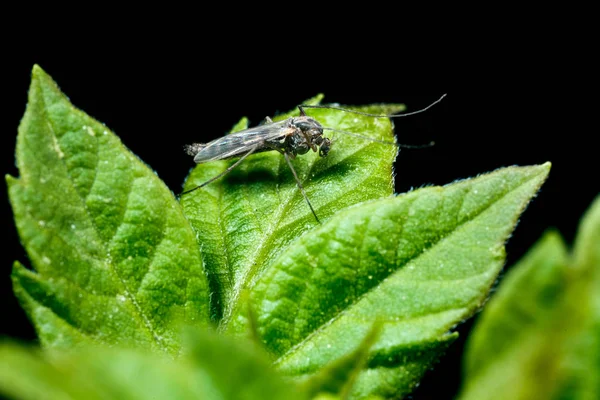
(127, 292)
(357, 300)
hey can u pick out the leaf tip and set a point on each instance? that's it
(547, 165)
(10, 180)
(17, 267)
(544, 168)
(18, 272)
(552, 234)
(41, 77)
(37, 72)
(316, 100)
(540, 171)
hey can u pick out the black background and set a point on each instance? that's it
(508, 103)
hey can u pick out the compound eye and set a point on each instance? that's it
(325, 147)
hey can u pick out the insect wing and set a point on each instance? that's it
(239, 143)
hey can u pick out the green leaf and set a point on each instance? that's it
(115, 259)
(211, 368)
(421, 262)
(244, 220)
(539, 337)
(514, 333)
(233, 360)
(528, 296)
(339, 377)
(587, 245)
(582, 353)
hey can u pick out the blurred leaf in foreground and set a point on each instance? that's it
(539, 336)
(212, 367)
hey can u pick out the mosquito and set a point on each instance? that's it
(290, 137)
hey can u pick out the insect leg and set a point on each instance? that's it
(287, 158)
(238, 162)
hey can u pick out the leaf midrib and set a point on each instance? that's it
(268, 234)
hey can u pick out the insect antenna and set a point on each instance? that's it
(404, 146)
(369, 114)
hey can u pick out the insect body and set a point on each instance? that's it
(291, 137)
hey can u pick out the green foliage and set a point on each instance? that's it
(420, 262)
(540, 335)
(249, 216)
(211, 367)
(115, 260)
(360, 306)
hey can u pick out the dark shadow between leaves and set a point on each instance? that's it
(415, 354)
